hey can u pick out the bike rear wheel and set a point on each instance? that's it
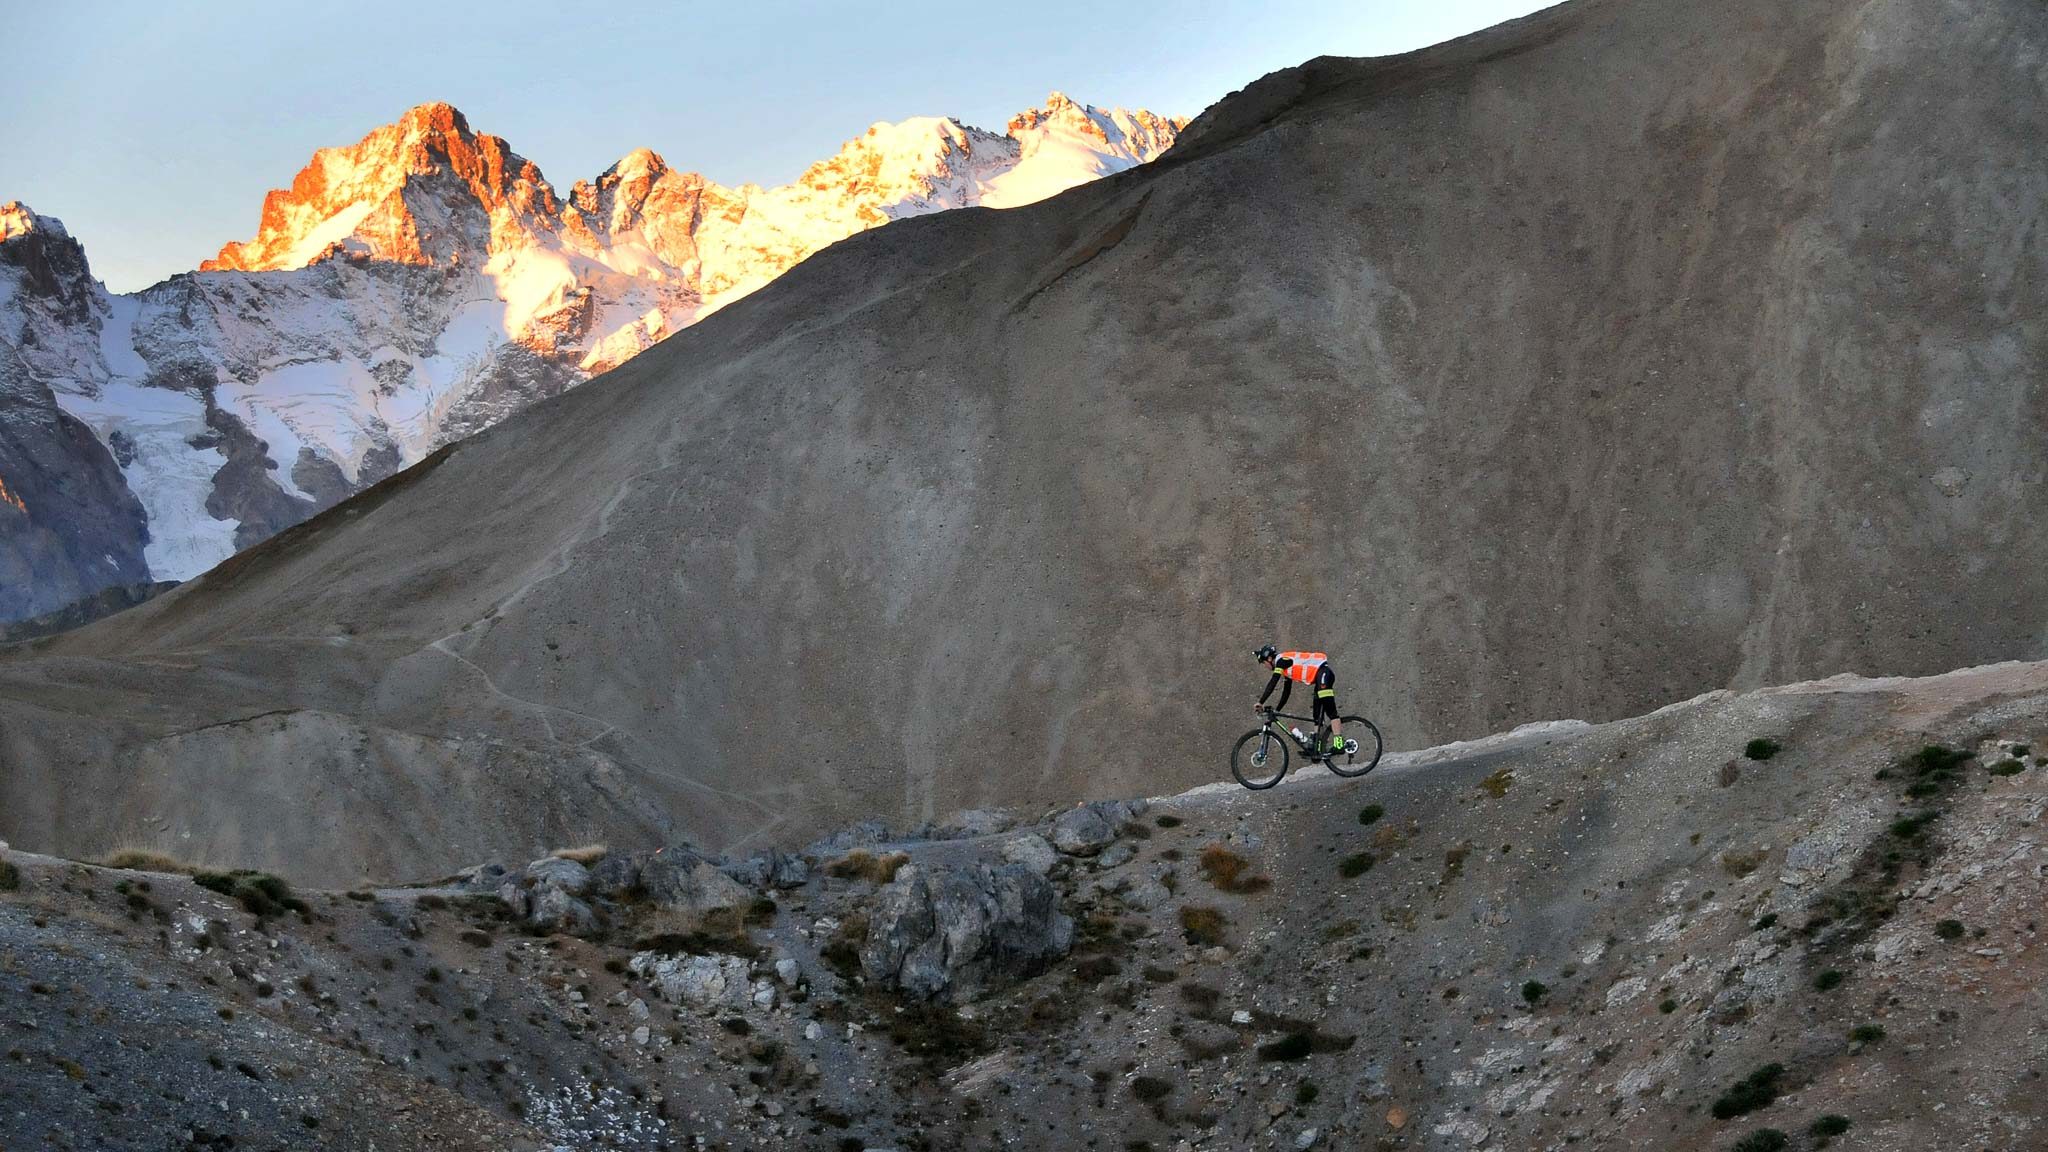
(1362, 741)
(1260, 758)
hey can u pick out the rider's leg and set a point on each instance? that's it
(1326, 704)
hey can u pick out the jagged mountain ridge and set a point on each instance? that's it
(411, 289)
(1635, 349)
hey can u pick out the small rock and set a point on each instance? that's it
(1090, 828)
(1397, 1117)
(813, 1032)
(640, 1035)
(1117, 855)
(772, 1108)
(1307, 1138)
(637, 1009)
(786, 970)
(617, 873)
(764, 995)
(1241, 1016)
(1276, 1108)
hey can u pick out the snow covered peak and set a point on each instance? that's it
(423, 190)
(18, 219)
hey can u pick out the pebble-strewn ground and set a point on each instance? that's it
(1572, 937)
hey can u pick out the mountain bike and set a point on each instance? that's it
(1260, 758)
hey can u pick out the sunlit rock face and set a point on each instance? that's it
(407, 290)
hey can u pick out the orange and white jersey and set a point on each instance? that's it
(1301, 666)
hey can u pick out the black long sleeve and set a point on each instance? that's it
(1286, 688)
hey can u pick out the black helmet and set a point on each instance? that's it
(1266, 652)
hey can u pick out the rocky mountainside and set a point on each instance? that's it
(1634, 349)
(404, 292)
(1787, 919)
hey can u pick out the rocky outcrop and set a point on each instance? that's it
(951, 933)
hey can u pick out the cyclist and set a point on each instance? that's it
(1313, 669)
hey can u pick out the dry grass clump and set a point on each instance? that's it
(146, 860)
(860, 864)
(1742, 863)
(1203, 926)
(584, 854)
(1230, 872)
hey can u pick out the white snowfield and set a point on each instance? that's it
(415, 298)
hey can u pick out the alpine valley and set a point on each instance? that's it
(406, 291)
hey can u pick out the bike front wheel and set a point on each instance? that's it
(1362, 748)
(1260, 758)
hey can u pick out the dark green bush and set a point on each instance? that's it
(1761, 1140)
(1767, 920)
(1370, 814)
(1827, 981)
(1150, 1088)
(1832, 1124)
(1949, 929)
(2007, 768)
(10, 876)
(259, 893)
(1867, 1033)
(1305, 1093)
(1750, 1093)
(1668, 1007)
(1355, 865)
(1533, 990)
(1761, 748)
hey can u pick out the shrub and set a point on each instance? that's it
(1151, 1088)
(1668, 1006)
(1305, 1093)
(2021, 749)
(1370, 814)
(1154, 974)
(1355, 865)
(1293, 1046)
(1497, 784)
(862, 865)
(1866, 1033)
(1827, 981)
(1203, 926)
(1533, 990)
(1914, 826)
(1229, 872)
(143, 860)
(1761, 1140)
(584, 854)
(1750, 1093)
(1168, 821)
(1949, 929)
(260, 893)
(1832, 1124)
(2007, 768)
(1765, 921)
(10, 876)
(1742, 863)
(1761, 748)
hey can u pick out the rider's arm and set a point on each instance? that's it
(1280, 678)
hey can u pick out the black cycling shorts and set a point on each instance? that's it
(1325, 706)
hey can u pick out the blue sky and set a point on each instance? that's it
(152, 130)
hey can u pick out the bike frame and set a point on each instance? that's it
(1273, 725)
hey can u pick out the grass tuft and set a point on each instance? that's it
(1229, 872)
(584, 854)
(144, 860)
(1203, 926)
(1866, 1033)
(1370, 814)
(1739, 864)
(863, 865)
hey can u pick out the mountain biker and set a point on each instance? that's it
(1313, 669)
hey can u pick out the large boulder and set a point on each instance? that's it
(865, 834)
(953, 933)
(1032, 851)
(770, 870)
(975, 822)
(615, 875)
(555, 909)
(699, 981)
(553, 872)
(680, 880)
